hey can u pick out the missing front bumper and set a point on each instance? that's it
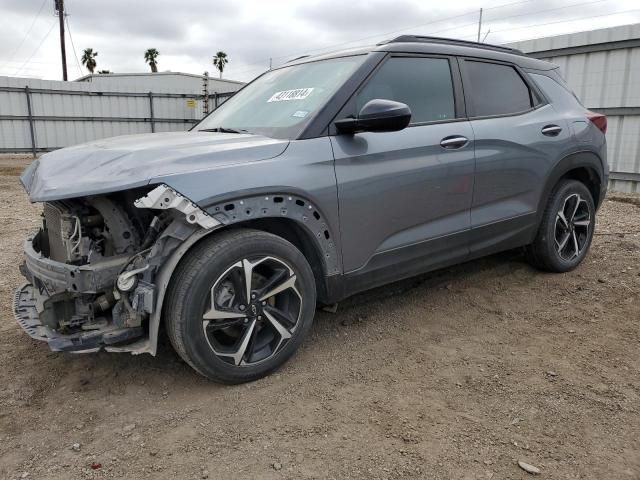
(26, 314)
(61, 277)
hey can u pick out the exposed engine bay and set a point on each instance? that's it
(92, 266)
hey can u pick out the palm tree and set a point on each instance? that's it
(151, 57)
(89, 59)
(219, 61)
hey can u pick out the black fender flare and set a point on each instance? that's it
(237, 209)
(584, 159)
(248, 206)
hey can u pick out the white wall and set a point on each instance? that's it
(125, 111)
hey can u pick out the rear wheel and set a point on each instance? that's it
(239, 305)
(566, 230)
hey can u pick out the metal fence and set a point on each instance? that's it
(41, 117)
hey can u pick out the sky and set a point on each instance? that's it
(254, 33)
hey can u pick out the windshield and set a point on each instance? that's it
(282, 102)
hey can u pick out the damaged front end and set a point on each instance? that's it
(94, 268)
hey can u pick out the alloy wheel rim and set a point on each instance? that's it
(253, 311)
(572, 227)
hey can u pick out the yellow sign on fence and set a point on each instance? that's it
(191, 103)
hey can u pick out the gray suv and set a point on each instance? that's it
(320, 179)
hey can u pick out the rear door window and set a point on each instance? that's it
(424, 84)
(496, 89)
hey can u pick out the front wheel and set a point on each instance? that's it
(566, 229)
(239, 305)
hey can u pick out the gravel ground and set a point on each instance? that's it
(459, 374)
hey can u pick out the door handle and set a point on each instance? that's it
(453, 142)
(551, 130)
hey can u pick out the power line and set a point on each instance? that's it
(561, 21)
(556, 35)
(581, 4)
(263, 65)
(53, 24)
(25, 75)
(25, 35)
(515, 16)
(75, 54)
(28, 68)
(378, 35)
(47, 62)
(474, 23)
(471, 12)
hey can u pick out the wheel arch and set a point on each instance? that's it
(293, 216)
(590, 178)
(297, 224)
(585, 167)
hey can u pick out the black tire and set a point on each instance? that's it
(546, 251)
(191, 293)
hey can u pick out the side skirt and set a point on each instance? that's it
(503, 235)
(398, 264)
(424, 257)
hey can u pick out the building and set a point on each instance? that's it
(603, 69)
(161, 81)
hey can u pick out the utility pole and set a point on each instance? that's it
(479, 25)
(205, 93)
(60, 10)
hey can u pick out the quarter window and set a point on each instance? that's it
(424, 84)
(497, 89)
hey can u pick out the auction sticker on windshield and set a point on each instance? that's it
(285, 95)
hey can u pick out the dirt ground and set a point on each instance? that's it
(455, 375)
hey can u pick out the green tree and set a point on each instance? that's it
(151, 57)
(219, 61)
(89, 59)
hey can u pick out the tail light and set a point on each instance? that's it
(598, 120)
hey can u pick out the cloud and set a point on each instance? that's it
(188, 33)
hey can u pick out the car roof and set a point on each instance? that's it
(437, 46)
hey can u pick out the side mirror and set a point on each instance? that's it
(377, 115)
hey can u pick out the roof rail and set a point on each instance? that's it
(297, 58)
(451, 41)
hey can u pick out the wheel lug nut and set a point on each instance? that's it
(264, 303)
(242, 307)
(259, 317)
(246, 320)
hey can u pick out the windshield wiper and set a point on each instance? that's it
(224, 130)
